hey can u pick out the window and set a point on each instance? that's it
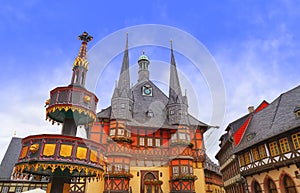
(255, 154)
(128, 134)
(296, 140)
(184, 170)
(118, 167)
(289, 185)
(121, 132)
(18, 189)
(188, 137)
(241, 159)
(191, 169)
(126, 168)
(112, 132)
(181, 135)
(109, 168)
(173, 137)
(175, 170)
(274, 148)
(4, 189)
(157, 142)
(150, 140)
(284, 145)
(142, 142)
(122, 105)
(171, 112)
(271, 186)
(257, 188)
(262, 151)
(247, 158)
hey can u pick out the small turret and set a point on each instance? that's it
(122, 98)
(143, 67)
(177, 107)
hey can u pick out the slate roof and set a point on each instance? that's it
(277, 118)
(143, 104)
(235, 125)
(211, 166)
(10, 158)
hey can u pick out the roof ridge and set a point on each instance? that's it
(278, 103)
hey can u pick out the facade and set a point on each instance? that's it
(229, 166)
(144, 142)
(153, 143)
(213, 177)
(267, 149)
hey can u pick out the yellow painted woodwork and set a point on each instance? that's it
(81, 152)
(49, 149)
(48, 187)
(65, 150)
(200, 182)
(66, 188)
(24, 152)
(34, 148)
(93, 156)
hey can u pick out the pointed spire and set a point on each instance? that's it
(80, 65)
(124, 79)
(81, 59)
(175, 94)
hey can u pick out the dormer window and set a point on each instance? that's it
(122, 105)
(112, 132)
(297, 112)
(120, 132)
(150, 114)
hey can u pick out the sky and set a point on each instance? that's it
(255, 46)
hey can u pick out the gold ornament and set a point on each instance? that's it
(34, 148)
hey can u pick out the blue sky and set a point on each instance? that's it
(255, 44)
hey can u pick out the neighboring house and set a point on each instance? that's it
(213, 177)
(263, 154)
(269, 152)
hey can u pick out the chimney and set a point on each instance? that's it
(251, 109)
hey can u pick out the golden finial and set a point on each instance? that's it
(85, 37)
(15, 133)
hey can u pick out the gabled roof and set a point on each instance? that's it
(143, 104)
(235, 125)
(277, 118)
(10, 158)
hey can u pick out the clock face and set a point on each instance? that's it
(147, 90)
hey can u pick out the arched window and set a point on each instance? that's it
(82, 78)
(289, 185)
(257, 188)
(271, 186)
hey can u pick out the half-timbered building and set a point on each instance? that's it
(262, 154)
(149, 141)
(153, 143)
(213, 177)
(269, 152)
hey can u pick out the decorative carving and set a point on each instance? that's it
(49, 149)
(24, 152)
(34, 148)
(81, 153)
(65, 150)
(93, 156)
(87, 99)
